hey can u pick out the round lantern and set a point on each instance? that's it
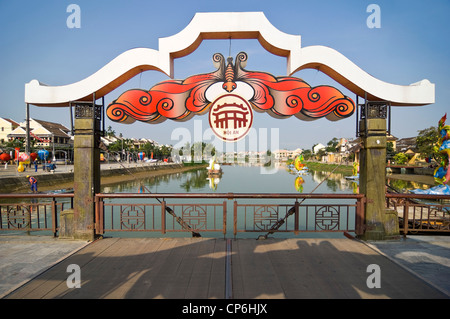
(5, 157)
(24, 158)
(42, 154)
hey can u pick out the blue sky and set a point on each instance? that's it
(412, 44)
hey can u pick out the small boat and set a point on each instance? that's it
(61, 191)
(353, 177)
(214, 171)
(214, 168)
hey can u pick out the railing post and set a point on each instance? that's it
(296, 216)
(235, 219)
(99, 215)
(224, 219)
(405, 218)
(30, 209)
(163, 217)
(54, 217)
(102, 216)
(96, 214)
(360, 216)
(357, 219)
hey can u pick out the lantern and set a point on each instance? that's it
(24, 158)
(43, 154)
(5, 157)
(298, 163)
(20, 168)
(299, 184)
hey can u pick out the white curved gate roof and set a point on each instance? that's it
(223, 25)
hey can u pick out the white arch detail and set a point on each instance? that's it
(223, 25)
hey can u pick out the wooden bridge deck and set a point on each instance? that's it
(200, 268)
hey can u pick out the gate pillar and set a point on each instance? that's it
(372, 132)
(86, 168)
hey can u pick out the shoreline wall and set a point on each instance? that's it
(12, 184)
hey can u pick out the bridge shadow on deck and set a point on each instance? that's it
(195, 268)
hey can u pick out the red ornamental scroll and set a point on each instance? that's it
(279, 96)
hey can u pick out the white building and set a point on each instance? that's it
(7, 126)
(318, 147)
(44, 133)
(283, 155)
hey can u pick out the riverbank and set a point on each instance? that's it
(110, 173)
(325, 167)
(424, 176)
(423, 179)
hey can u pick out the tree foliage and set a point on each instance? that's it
(426, 140)
(400, 158)
(390, 152)
(307, 154)
(332, 144)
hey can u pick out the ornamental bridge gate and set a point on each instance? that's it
(230, 94)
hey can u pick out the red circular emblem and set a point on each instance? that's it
(230, 117)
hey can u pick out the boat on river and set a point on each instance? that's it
(352, 177)
(214, 168)
(59, 191)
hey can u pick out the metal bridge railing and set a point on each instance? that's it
(421, 212)
(206, 213)
(252, 212)
(32, 212)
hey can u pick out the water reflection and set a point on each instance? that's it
(335, 182)
(195, 180)
(189, 181)
(402, 186)
(299, 184)
(248, 178)
(240, 179)
(213, 182)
